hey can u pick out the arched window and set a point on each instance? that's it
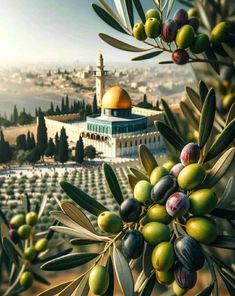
(120, 144)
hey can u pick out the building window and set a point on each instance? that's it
(131, 143)
(136, 143)
(145, 141)
(150, 140)
(120, 145)
(154, 140)
(158, 138)
(140, 141)
(125, 144)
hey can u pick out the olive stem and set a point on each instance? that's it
(12, 287)
(175, 229)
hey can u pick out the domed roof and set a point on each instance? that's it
(116, 98)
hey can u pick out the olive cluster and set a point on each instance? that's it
(21, 232)
(183, 31)
(169, 199)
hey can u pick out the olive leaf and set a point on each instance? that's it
(222, 141)
(59, 254)
(132, 180)
(170, 117)
(146, 259)
(123, 272)
(68, 261)
(148, 286)
(147, 56)
(228, 285)
(207, 118)
(55, 290)
(219, 169)
(229, 50)
(83, 287)
(108, 19)
(139, 281)
(120, 44)
(223, 213)
(77, 216)
(138, 174)
(165, 62)
(228, 195)
(147, 159)
(68, 291)
(140, 10)
(113, 183)
(42, 205)
(110, 290)
(169, 7)
(194, 98)
(3, 218)
(189, 115)
(224, 242)
(26, 202)
(176, 141)
(66, 220)
(203, 15)
(83, 242)
(212, 56)
(120, 11)
(83, 199)
(203, 90)
(130, 12)
(39, 278)
(109, 9)
(11, 251)
(231, 114)
(207, 291)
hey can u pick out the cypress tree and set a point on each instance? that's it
(57, 110)
(57, 142)
(52, 108)
(21, 142)
(79, 153)
(30, 141)
(15, 115)
(94, 105)
(63, 151)
(63, 109)
(5, 150)
(33, 143)
(41, 133)
(50, 151)
(34, 155)
(145, 100)
(67, 104)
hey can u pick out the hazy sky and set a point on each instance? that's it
(33, 31)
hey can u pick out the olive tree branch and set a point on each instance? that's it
(12, 287)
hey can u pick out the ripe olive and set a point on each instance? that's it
(41, 245)
(185, 278)
(139, 32)
(152, 28)
(130, 210)
(99, 280)
(202, 201)
(163, 189)
(163, 256)
(190, 154)
(178, 291)
(200, 43)
(180, 17)
(177, 204)
(191, 176)
(24, 231)
(228, 100)
(14, 236)
(153, 13)
(142, 191)
(133, 244)
(202, 229)
(219, 33)
(17, 220)
(176, 169)
(156, 232)
(31, 218)
(169, 31)
(185, 36)
(157, 174)
(30, 253)
(180, 56)
(194, 22)
(165, 277)
(110, 222)
(26, 279)
(158, 213)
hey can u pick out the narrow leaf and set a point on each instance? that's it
(55, 290)
(228, 194)
(26, 203)
(207, 118)
(149, 285)
(231, 114)
(147, 159)
(189, 115)
(211, 56)
(109, 9)
(113, 183)
(42, 205)
(123, 273)
(130, 12)
(146, 260)
(223, 213)
(224, 242)
(170, 117)
(203, 90)
(170, 135)
(132, 180)
(83, 287)
(68, 291)
(108, 19)
(59, 254)
(194, 98)
(68, 261)
(229, 50)
(222, 141)
(140, 10)
(147, 56)
(83, 199)
(11, 251)
(3, 218)
(203, 15)
(121, 14)
(165, 62)
(110, 290)
(83, 242)
(138, 174)
(39, 278)
(169, 7)
(120, 44)
(207, 291)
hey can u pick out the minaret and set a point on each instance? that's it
(100, 74)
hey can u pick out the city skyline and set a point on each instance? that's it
(55, 31)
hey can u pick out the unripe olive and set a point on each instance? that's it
(177, 204)
(17, 220)
(31, 218)
(157, 174)
(152, 28)
(180, 17)
(41, 245)
(130, 210)
(219, 33)
(202, 201)
(180, 56)
(26, 279)
(228, 100)
(163, 189)
(194, 22)
(169, 31)
(156, 232)
(185, 278)
(185, 36)
(153, 13)
(191, 176)
(176, 169)
(24, 231)
(178, 291)
(99, 280)
(192, 12)
(139, 32)
(30, 253)
(163, 256)
(200, 44)
(169, 165)
(165, 277)
(190, 154)
(158, 213)
(110, 222)
(14, 235)
(202, 229)
(142, 191)
(133, 244)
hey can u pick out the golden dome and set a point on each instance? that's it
(116, 98)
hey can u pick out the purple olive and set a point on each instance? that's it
(130, 210)
(190, 154)
(163, 189)
(14, 235)
(177, 204)
(185, 278)
(169, 31)
(177, 168)
(180, 17)
(189, 252)
(133, 244)
(194, 22)
(180, 56)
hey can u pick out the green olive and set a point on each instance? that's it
(26, 279)
(192, 12)
(110, 222)
(142, 191)
(165, 277)
(185, 36)
(169, 165)
(202, 201)
(17, 220)
(220, 33)
(30, 253)
(32, 218)
(158, 213)
(99, 280)
(24, 231)
(200, 44)
(157, 174)
(41, 245)
(191, 176)
(152, 28)
(139, 32)
(228, 100)
(178, 291)
(155, 233)
(163, 256)
(153, 13)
